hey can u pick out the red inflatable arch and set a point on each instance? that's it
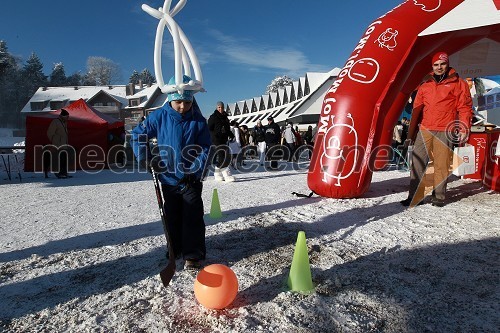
(393, 55)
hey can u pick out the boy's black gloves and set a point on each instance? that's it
(186, 182)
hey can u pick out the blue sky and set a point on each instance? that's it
(241, 45)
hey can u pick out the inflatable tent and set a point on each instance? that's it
(91, 134)
(393, 55)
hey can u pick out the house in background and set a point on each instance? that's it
(489, 106)
(299, 103)
(124, 102)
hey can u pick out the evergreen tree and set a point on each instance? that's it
(32, 75)
(10, 101)
(480, 90)
(74, 79)
(279, 82)
(7, 61)
(135, 77)
(58, 76)
(147, 77)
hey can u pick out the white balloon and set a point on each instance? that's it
(184, 55)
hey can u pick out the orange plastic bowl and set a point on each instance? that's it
(216, 286)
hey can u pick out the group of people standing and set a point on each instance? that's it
(228, 139)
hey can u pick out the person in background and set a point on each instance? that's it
(298, 137)
(260, 139)
(404, 132)
(273, 137)
(289, 139)
(308, 139)
(220, 133)
(396, 140)
(441, 99)
(245, 141)
(235, 144)
(177, 125)
(58, 137)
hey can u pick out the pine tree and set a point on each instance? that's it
(58, 76)
(10, 101)
(74, 79)
(135, 77)
(32, 75)
(7, 61)
(147, 77)
(480, 90)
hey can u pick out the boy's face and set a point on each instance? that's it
(181, 106)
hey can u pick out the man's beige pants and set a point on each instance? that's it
(438, 145)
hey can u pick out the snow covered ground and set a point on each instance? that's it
(83, 255)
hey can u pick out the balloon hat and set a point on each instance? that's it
(184, 55)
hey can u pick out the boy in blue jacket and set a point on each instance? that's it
(183, 145)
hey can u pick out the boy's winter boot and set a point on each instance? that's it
(218, 174)
(226, 173)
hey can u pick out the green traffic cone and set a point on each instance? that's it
(300, 278)
(215, 211)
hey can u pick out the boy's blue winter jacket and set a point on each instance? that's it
(183, 142)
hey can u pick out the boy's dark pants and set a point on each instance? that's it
(184, 215)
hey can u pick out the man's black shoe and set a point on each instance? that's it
(407, 202)
(437, 202)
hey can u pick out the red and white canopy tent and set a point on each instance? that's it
(393, 55)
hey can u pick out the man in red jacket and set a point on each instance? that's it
(442, 99)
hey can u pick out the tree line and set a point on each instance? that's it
(19, 81)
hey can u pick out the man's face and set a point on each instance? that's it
(181, 106)
(220, 108)
(439, 67)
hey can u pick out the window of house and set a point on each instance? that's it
(38, 106)
(54, 105)
(134, 102)
(489, 101)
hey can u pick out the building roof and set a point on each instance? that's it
(74, 93)
(307, 104)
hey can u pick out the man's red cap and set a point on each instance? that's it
(443, 56)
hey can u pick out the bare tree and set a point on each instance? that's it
(101, 71)
(279, 82)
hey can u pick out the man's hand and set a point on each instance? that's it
(462, 137)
